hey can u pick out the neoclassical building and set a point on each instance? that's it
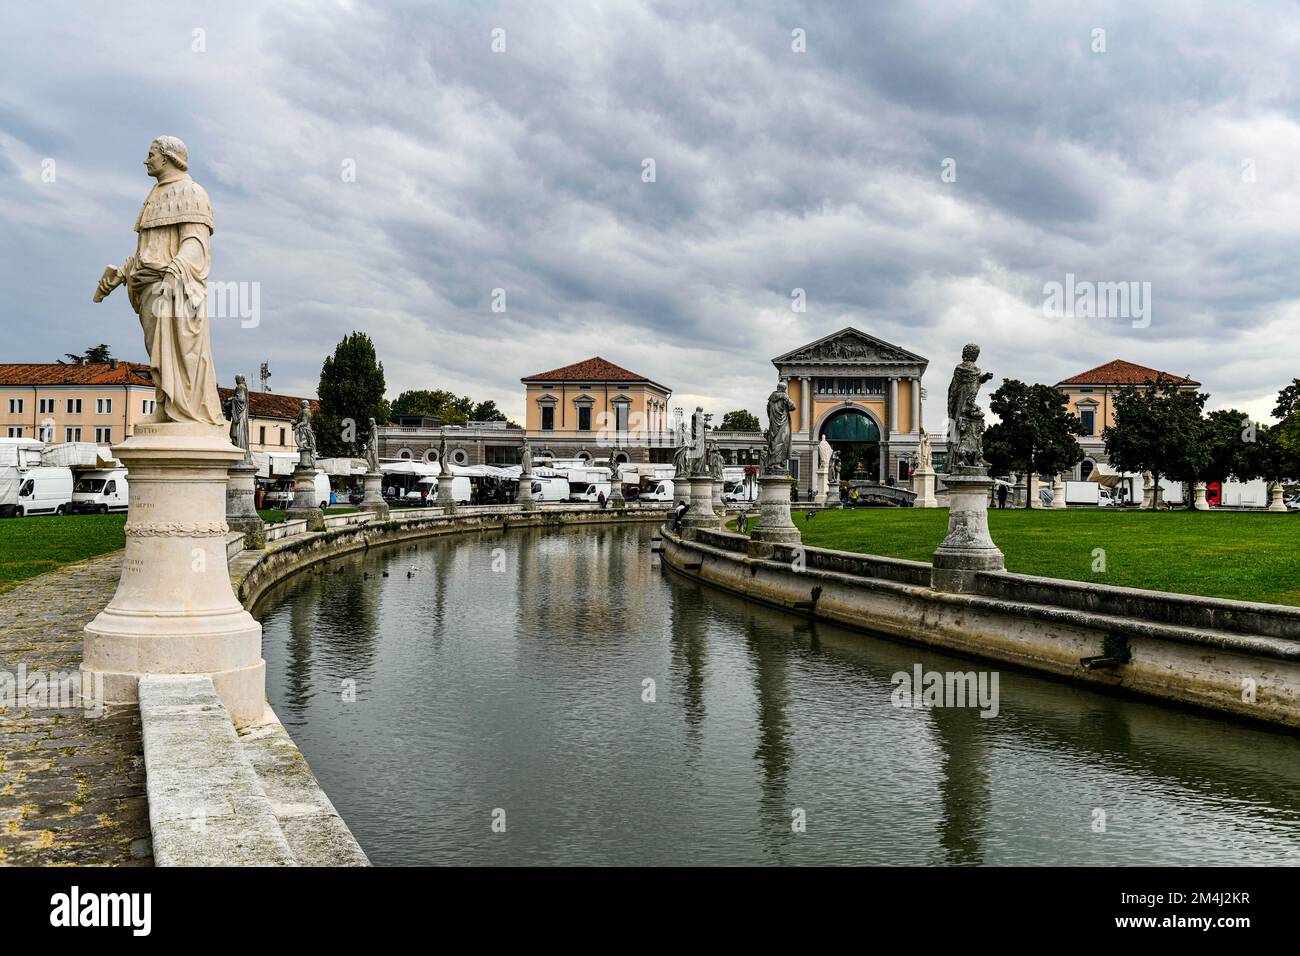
(863, 395)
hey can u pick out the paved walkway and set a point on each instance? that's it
(72, 787)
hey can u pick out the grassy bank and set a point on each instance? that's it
(32, 546)
(1247, 556)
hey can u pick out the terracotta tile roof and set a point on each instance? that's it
(51, 373)
(595, 369)
(270, 405)
(1119, 372)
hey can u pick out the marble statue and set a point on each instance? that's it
(715, 460)
(167, 284)
(824, 452)
(444, 466)
(923, 453)
(613, 471)
(698, 454)
(776, 461)
(236, 409)
(966, 420)
(372, 448)
(526, 460)
(833, 473)
(305, 437)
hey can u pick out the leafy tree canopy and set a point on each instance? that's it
(95, 355)
(1036, 433)
(351, 392)
(741, 420)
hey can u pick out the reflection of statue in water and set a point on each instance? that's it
(167, 283)
(236, 409)
(305, 437)
(966, 420)
(776, 461)
(372, 448)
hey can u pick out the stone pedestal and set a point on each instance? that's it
(1058, 493)
(923, 484)
(968, 548)
(174, 611)
(822, 483)
(1031, 489)
(1148, 492)
(701, 514)
(373, 499)
(719, 508)
(524, 497)
(446, 498)
(1198, 497)
(241, 504)
(1276, 501)
(616, 499)
(774, 524)
(305, 504)
(1018, 492)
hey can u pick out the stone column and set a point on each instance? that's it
(700, 514)
(1148, 492)
(893, 409)
(923, 484)
(1031, 489)
(1198, 497)
(616, 499)
(241, 504)
(1058, 492)
(524, 496)
(174, 611)
(1018, 492)
(1276, 501)
(718, 507)
(774, 524)
(446, 496)
(805, 406)
(305, 504)
(916, 406)
(822, 472)
(968, 548)
(373, 499)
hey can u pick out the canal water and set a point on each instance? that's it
(487, 702)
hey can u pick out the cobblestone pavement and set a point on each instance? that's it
(71, 786)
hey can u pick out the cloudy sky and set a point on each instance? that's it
(1162, 151)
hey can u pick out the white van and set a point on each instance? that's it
(590, 492)
(740, 490)
(41, 491)
(102, 490)
(551, 489)
(659, 491)
(460, 489)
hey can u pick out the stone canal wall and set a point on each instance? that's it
(1233, 657)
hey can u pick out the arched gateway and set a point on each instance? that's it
(864, 395)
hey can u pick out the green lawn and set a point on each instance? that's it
(1249, 556)
(32, 546)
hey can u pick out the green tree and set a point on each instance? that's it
(1158, 430)
(452, 409)
(1287, 413)
(95, 355)
(1227, 436)
(351, 392)
(1035, 434)
(488, 412)
(741, 420)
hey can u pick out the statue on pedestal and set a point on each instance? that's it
(833, 473)
(305, 437)
(776, 460)
(236, 409)
(698, 454)
(966, 420)
(923, 453)
(372, 448)
(444, 466)
(167, 283)
(526, 460)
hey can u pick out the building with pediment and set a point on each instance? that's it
(863, 395)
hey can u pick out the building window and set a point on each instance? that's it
(72, 434)
(15, 431)
(903, 471)
(620, 417)
(103, 406)
(1088, 419)
(460, 457)
(548, 418)
(74, 406)
(584, 418)
(45, 433)
(15, 406)
(103, 435)
(261, 434)
(46, 406)
(282, 439)
(148, 405)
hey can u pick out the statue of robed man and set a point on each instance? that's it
(965, 418)
(776, 461)
(167, 283)
(236, 409)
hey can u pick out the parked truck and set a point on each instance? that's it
(35, 491)
(100, 490)
(1087, 493)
